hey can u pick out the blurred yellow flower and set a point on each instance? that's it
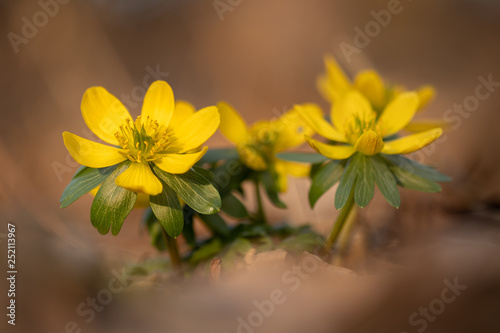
(335, 84)
(167, 134)
(356, 124)
(258, 145)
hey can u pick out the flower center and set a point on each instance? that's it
(142, 141)
(257, 150)
(357, 126)
(263, 138)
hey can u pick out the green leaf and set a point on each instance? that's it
(154, 228)
(313, 158)
(314, 169)
(386, 181)
(205, 173)
(411, 181)
(254, 231)
(147, 267)
(229, 175)
(112, 204)
(238, 248)
(188, 230)
(232, 206)
(194, 189)
(416, 168)
(168, 211)
(324, 178)
(84, 181)
(216, 155)
(269, 182)
(263, 244)
(155, 231)
(365, 184)
(346, 182)
(301, 243)
(241, 246)
(216, 223)
(136, 270)
(206, 251)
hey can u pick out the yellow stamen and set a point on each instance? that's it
(142, 141)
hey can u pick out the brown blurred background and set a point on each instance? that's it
(263, 56)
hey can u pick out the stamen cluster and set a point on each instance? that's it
(142, 141)
(355, 126)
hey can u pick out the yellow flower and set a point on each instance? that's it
(258, 145)
(356, 124)
(166, 134)
(335, 84)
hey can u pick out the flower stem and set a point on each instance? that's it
(344, 237)
(340, 222)
(171, 244)
(261, 215)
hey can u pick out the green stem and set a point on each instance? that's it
(340, 222)
(261, 215)
(344, 236)
(172, 250)
(346, 231)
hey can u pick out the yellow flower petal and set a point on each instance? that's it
(371, 85)
(395, 91)
(325, 88)
(232, 126)
(141, 202)
(425, 94)
(180, 163)
(158, 103)
(411, 143)
(422, 125)
(333, 152)
(399, 112)
(90, 153)
(293, 168)
(369, 143)
(94, 191)
(312, 115)
(183, 110)
(281, 175)
(351, 104)
(282, 183)
(140, 179)
(339, 82)
(103, 113)
(195, 130)
(291, 128)
(251, 157)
